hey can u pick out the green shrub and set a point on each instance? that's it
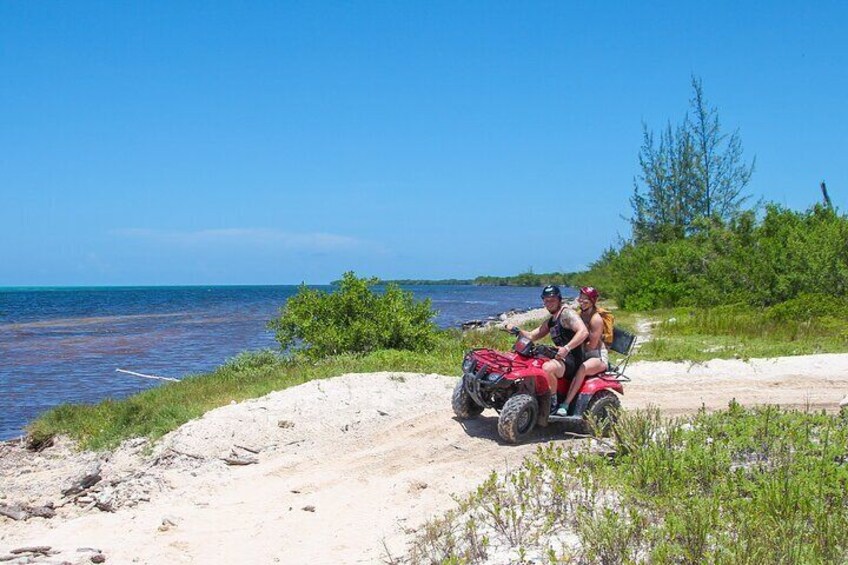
(354, 319)
(809, 306)
(761, 262)
(247, 360)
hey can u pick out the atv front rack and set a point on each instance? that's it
(495, 361)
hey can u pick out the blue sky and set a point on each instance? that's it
(280, 142)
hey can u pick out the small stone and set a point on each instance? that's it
(98, 558)
(308, 508)
(285, 424)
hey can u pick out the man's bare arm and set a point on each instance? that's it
(570, 319)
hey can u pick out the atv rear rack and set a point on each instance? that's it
(623, 342)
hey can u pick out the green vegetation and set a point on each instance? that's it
(694, 245)
(528, 279)
(737, 486)
(783, 256)
(428, 282)
(693, 172)
(353, 319)
(804, 325)
(417, 282)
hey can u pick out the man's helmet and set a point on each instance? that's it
(590, 292)
(551, 290)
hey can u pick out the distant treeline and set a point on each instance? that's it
(416, 282)
(529, 279)
(523, 279)
(423, 282)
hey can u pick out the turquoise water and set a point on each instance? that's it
(62, 345)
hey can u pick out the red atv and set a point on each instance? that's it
(513, 382)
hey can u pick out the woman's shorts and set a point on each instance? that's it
(600, 353)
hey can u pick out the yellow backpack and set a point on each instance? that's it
(609, 324)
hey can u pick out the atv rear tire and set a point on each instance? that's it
(518, 418)
(603, 409)
(463, 405)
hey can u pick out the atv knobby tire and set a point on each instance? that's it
(603, 409)
(463, 405)
(518, 418)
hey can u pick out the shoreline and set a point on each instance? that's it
(515, 316)
(166, 330)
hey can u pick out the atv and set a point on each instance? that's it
(513, 383)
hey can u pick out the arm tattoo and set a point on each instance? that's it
(570, 319)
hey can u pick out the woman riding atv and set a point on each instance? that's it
(568, 332)
(595, 356)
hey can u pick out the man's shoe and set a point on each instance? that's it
(562, 410)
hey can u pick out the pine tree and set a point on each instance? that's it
(693, 173)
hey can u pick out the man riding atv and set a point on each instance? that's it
(568, 332)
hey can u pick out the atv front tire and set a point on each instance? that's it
(463, 405)
(603, 409)
(518, 418)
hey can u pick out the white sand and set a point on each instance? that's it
(360, 461)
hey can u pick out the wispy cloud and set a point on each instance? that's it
(315, 241)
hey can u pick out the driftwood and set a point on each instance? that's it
(142, 375)
(250, 449)
(82, 484)
(39, 444)
(184, 454)
(42, 511)
(43, 549)
(18, 512)
(240, 460)
(13, 512)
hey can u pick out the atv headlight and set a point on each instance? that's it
(468, 364)
(493, 377)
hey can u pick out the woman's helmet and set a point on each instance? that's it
(590, 292)
(551, 290)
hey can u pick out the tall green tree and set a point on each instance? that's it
(691, 175)
(720, 172)
(664, 207)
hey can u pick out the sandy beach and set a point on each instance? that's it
(346, 469)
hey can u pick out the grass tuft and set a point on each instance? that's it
(736, 486)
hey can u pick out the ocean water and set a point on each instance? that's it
(60, 345)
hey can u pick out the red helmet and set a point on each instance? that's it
(591, 292)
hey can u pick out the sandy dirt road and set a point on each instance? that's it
(352, 483)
